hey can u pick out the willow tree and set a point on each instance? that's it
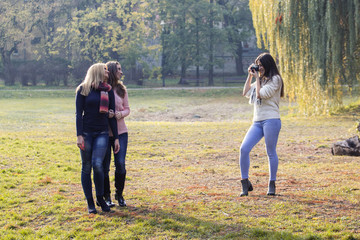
(317, 45)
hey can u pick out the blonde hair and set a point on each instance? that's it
(94, 76)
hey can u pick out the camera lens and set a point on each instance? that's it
(255, 67)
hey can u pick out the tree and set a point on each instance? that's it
(187, 42)
(238, 26)
(49, 15)
(29, 27)
(211, 43)
(176, 15)
(199, 29)
(317, 44)
(14, 27)
(114, 30)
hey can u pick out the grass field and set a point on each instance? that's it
(183, 178)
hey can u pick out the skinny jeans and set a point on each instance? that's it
(269, 129)
(119, 159)
(92, 157)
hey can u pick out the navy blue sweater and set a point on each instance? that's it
(88, 117)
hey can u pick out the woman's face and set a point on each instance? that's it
(261, 68)
(106, 74)
(119, 72)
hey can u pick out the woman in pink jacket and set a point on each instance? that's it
(122, 110)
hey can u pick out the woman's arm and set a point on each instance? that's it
(112, 121)
(126, 106)
(79, 104)
(258, 86)
(247, 84)
(269, 89)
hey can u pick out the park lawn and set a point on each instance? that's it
(183, 177)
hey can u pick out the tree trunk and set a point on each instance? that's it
(24, 80)
(183, 49)
(211, 47)
(197, 52)
(350, 147)
(8, 74)
(238, 59)
(183, 74)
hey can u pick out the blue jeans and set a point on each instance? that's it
(269, 129)
(119, 159)
(96, 144)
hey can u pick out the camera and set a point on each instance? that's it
(254, 67)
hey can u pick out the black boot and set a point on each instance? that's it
(246, 186)
(120, 184)
(109, 202)
(271, 190)
(120, 199)
(91, 206)
(107, 191)
(100, 201)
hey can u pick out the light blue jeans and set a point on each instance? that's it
(269, 129)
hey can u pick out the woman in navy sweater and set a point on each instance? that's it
(94, 98)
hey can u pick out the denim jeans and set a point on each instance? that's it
(96, 144)
(119, 159)
(269, 129)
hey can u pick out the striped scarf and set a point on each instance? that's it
(104, 88)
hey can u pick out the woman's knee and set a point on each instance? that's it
(86, 169)
(244, 150)
(121, 171)
(98, 167)
(120, 168)
(86, 166)
(271, 151)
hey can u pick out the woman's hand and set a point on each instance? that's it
(80, 142)
(111, 113)
(247, 84)
(116, 146)
(252, 72)
(118, 115)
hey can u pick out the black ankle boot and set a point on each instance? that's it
(100, 201)
(109, 202)
(246, 186)
(120, 199)
(91, 206)
(272, 187)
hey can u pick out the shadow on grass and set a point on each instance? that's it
(174, 225)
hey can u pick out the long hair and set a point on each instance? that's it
(270, 67)
(115, 83)
(94, 76)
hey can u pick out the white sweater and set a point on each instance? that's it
(270, 99)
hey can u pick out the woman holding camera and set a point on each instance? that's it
(265, 95)
(94, 98)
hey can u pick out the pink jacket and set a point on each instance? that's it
(121, 105)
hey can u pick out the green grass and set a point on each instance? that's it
(183, 178)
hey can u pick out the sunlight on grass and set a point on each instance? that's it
(183, 177)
